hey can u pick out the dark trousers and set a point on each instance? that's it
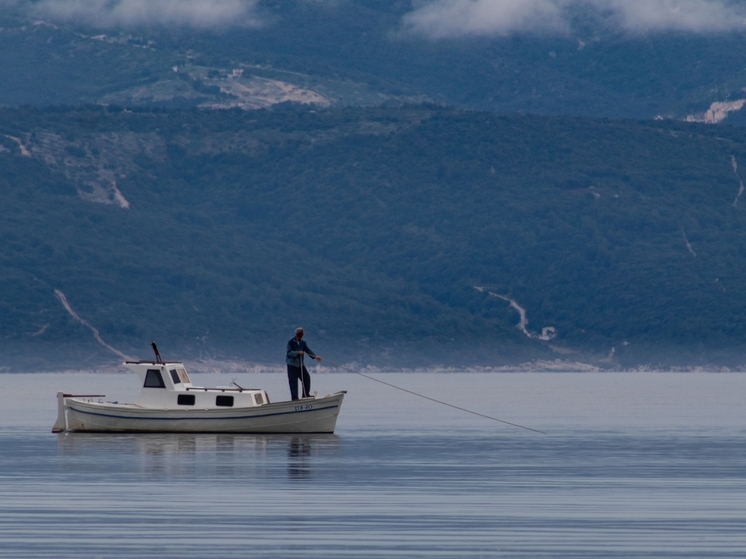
(294, 376)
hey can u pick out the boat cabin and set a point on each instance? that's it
(167, 385)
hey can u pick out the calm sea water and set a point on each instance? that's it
(633, 465)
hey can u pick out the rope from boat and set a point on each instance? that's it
(435, 400)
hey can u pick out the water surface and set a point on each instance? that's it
(633, 465)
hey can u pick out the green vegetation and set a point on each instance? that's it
(371, 228)
(353, 53)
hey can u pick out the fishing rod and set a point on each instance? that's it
(435, 400)
(302, 378)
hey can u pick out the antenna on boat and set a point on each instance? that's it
(240, 388)
(157, 353)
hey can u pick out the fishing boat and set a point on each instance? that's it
(170, 403)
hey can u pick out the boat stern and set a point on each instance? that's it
(60, 425)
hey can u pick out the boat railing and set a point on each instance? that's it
(151, 362)
(202, 389)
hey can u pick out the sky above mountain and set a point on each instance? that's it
(433, 19)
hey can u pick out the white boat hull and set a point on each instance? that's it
(311, 415)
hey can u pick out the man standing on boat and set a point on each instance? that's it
(297, 348)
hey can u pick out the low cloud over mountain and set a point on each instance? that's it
(204, 14)
(434, 18)
(453, 18)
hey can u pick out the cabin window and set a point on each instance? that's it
(175, 376)
(183, 376)
(185, 400)
(258, 399)
(153, 379)
(226, 401)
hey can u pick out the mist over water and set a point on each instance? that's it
(634, 465)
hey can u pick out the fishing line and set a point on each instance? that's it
(434, 400)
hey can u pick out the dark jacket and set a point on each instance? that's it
(294, 346)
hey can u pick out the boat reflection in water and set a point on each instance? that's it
(193, 454)
(299, 454)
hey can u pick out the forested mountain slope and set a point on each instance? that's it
(394, 236)
(368, 52)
